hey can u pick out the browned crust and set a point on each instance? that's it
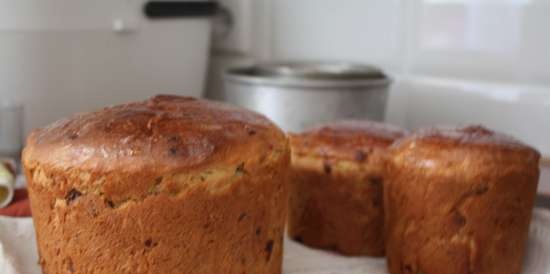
(469, 138)
(163, 134)
(167, 185)
(459, 201)
(238, 229)
(340, 211)
(345, 140)
(336, 186)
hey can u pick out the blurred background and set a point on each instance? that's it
(450, 61)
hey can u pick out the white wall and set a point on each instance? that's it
(495, 40)
(456, 61)
(339, 30)
(58, 57)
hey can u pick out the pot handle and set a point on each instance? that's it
(179, 9)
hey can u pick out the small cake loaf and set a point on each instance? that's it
(336, 186)
(169, 185)
(459, 201)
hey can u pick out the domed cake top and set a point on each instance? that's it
(464, 145)
(164, 133)
(351, 139)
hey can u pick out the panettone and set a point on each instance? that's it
(167, 185)
(336, 186)
(459, 200)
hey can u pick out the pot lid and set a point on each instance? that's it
(309, 74)
(313, 70)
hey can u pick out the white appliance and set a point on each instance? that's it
(58, 57)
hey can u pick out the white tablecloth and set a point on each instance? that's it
(18, 252)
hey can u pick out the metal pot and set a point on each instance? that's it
(298, 95)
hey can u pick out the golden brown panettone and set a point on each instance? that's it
(459, 201)
(168, 185)
(336, 185)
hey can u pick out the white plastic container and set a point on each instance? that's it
(58, 57)
(7, 185)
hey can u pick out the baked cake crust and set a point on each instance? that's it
(336, 186)
(344, 140)
(168, 185)
(459, 200)
(164, 134)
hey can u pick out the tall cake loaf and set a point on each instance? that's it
(167, 185)
(336, 186)
(459, 201)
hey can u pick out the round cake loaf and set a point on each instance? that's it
(336, 185)
(459, 201)
(167, 185)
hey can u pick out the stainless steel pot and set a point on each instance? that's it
(299, 95)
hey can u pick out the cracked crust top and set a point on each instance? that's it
(471, 145)
(344, 140)
(160, 135)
